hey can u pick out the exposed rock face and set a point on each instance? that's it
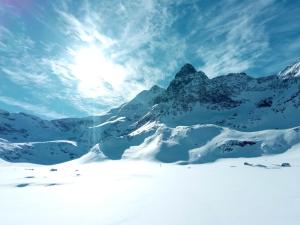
(236, 93)
(185, 70)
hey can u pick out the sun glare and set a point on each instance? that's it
(97, 74)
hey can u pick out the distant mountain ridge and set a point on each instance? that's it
(194, 120)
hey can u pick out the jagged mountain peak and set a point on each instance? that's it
(186, 69)
(187, 73)
(291, 71)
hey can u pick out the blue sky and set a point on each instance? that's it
(67, 58)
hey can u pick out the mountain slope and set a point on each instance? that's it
(291, 71)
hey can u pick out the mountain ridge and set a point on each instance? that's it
(144, 128)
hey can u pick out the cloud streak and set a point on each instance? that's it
(236, 38)
(34, 109)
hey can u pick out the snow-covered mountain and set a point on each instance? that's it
(194, 120)
(291, 71)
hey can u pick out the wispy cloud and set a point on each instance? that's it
(4, 32)
(34, 109)
(236, 36)
(24, 78)
(18, 62)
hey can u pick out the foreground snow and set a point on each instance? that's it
(142, 193)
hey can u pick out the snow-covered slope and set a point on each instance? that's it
(27, 138)
(291, 71)
(194, 120)
(207, 143)
(49, 152)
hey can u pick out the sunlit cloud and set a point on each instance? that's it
(86, 31)
(112, 67)
(96, 74)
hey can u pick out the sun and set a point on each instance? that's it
(97, 74)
